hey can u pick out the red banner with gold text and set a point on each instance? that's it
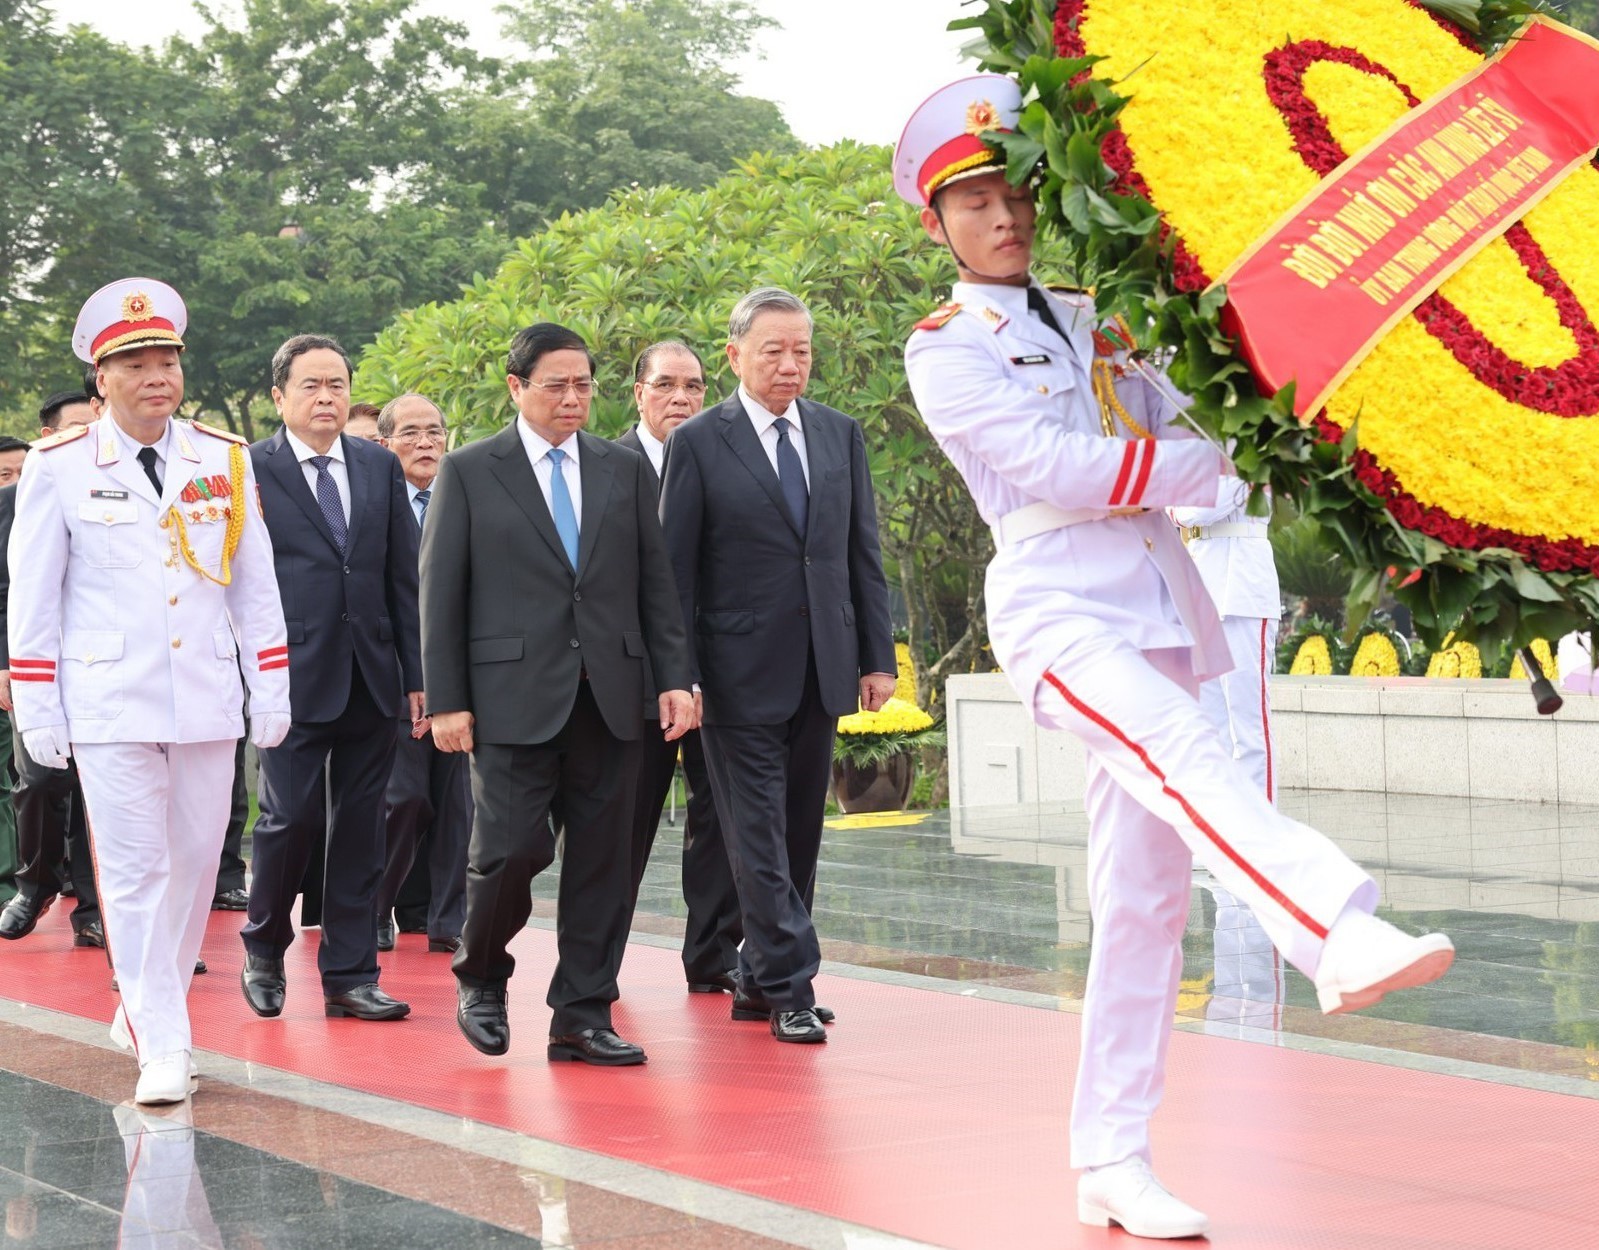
(1383, 231)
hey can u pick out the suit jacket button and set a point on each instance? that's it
(344, 616)
(805, 611)
(176, 643)
(576, 643)
(807, 561)
(577, 596)
(346, 570)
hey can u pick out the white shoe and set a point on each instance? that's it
(1365, 958)
(163, 1080)
(1128, 1194)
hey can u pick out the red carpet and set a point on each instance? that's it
(930, 1115)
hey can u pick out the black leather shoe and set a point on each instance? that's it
(481, 1015)
(597, 1046)
(262, 979)
(752, 1005)
(721, 983)
(385, 935)
(21, 915)
(90, 935)
(443, 946)
(231, 900)
(366, 1002)
(797, 1026)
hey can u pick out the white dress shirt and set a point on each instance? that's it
(131, 448)
(538, 453)
(763, 420)
(654, 448)
(411, 492)
(336, 468)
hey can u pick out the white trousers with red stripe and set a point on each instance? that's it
(1239, 703)
(1163, 790)
(157, 815)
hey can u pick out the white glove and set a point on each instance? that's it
(268, 729)
(47, 746)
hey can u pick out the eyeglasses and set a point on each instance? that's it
(664, 387)
(581, 387)
(433, 434)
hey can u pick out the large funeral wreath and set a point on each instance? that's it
(1454, 466)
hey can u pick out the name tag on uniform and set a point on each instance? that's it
(1029, 360)
(108, 494)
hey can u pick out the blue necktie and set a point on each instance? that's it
(422, 497)
(791, 476)
(561, 501)
(327, 497)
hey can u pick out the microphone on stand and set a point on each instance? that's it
(1544, 693)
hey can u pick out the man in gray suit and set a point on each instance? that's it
(669, 388)
(768, 511)
(545, 586)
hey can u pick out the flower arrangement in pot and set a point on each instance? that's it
(874, 755)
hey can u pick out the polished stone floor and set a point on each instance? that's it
(989, 902)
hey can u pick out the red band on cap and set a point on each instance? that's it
(156, 327)
(961, 153)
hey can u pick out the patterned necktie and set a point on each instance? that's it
(147, 459)
(1040, 308)
(561, 506)
(422, 497)
(327, 497)
(791, 476)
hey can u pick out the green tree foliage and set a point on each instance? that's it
(658, 263)
(324, 164)
(615, 93)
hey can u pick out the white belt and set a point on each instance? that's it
(1041, 518)
(1232, 529)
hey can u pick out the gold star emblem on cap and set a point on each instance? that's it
(136, 307)
(981, 115)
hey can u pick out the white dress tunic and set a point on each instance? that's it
(117, 637)
(1106, 630)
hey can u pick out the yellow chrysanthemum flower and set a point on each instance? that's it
(1313, 659)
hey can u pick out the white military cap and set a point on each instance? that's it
(129, 313)
(943, 141)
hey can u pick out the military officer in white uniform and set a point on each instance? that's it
(1103, 625)
(142, 583)
(1234, 556)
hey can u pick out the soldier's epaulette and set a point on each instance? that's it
(60, 438)
(216, 433)
(938, 318)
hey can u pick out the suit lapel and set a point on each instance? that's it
(361, 488)
(182, 464)
(739, 434)
(291, 477)
(516, 474)
(597, 474)
(111, 456)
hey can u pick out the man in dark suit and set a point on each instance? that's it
(545, 588)
(767, 506)
(345, 545)
(48, 802)
(429, 799)
(669, 388)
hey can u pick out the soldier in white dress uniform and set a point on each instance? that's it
(1234, 557)
(1104, 626)
(142, 584)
